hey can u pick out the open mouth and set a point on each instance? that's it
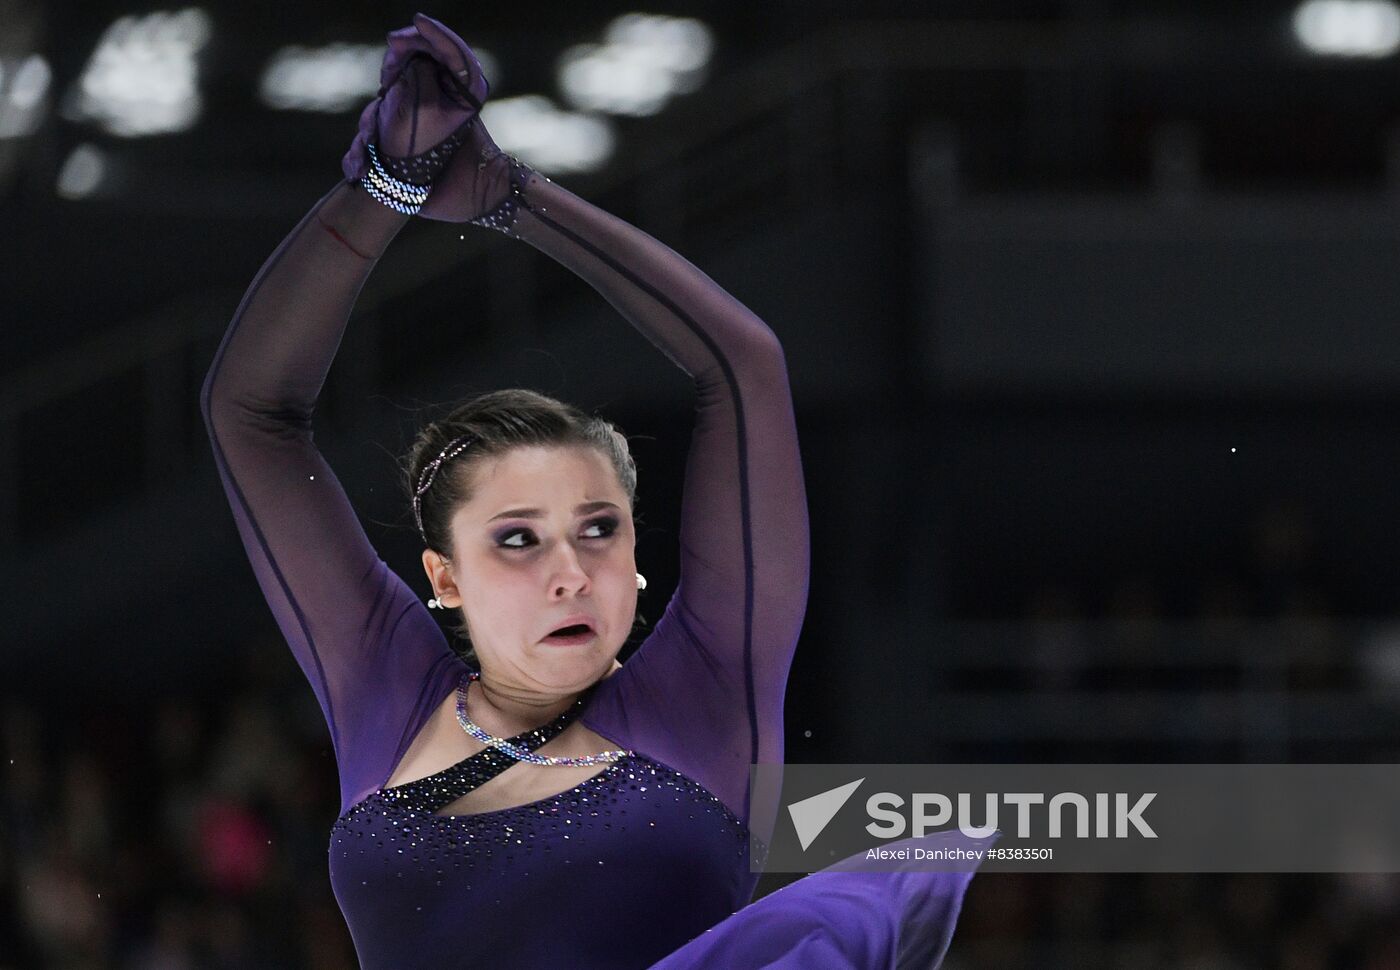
(576, 633)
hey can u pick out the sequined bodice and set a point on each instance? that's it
(624, 866)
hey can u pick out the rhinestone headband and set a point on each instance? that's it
(430, 470)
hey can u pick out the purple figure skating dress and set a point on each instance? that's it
(647, 860)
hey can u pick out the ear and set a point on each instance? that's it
(440, 576)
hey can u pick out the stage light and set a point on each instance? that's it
(22, 97)
(643, 62)
(533, 129)
(1348, 28)
(143, 78)
(82, 172)
(334, 78)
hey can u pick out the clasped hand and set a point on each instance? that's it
(430, 97)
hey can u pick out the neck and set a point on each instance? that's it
(505, 710)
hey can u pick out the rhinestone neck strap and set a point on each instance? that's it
(516, 751)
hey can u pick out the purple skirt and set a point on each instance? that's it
(852, 914)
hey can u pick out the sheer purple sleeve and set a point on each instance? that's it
(373, 654)
(704, 693)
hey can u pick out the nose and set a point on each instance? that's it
(569, 575)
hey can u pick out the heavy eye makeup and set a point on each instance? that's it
(506, 538)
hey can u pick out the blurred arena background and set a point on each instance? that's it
(1092, 315)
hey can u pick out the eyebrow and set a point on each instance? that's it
(583, 509)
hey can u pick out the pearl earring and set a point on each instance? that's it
(641, 581)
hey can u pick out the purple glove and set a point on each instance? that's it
(431, 90)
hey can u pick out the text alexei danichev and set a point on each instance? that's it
(952, 853)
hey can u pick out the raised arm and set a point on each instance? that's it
(705, 691)
(373, 654)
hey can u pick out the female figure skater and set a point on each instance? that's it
(544, 805)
